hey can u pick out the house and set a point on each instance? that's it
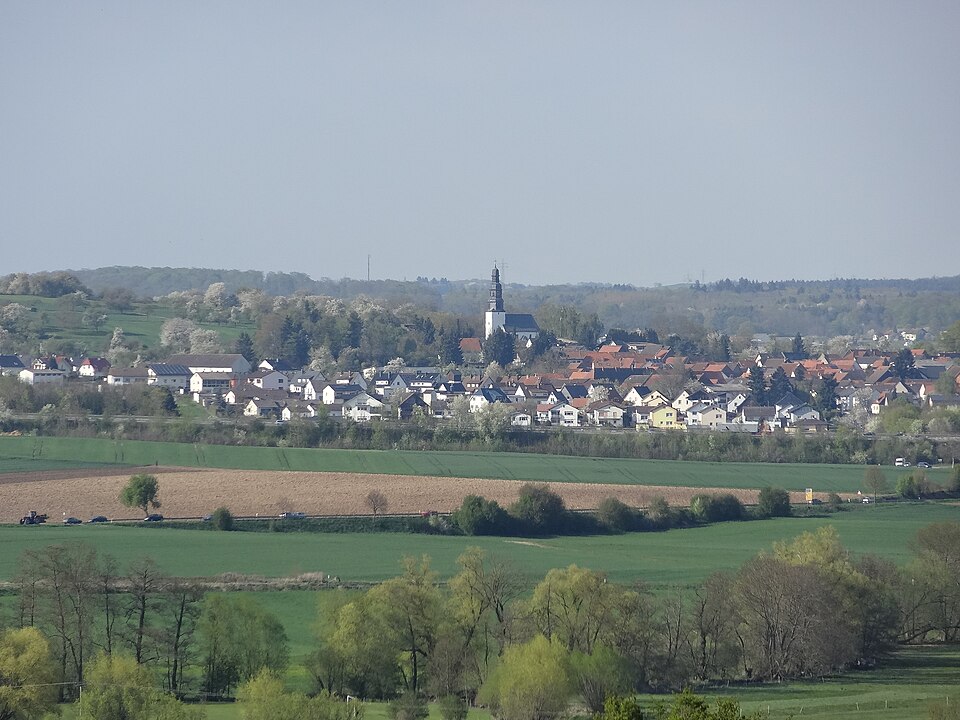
(10, 365)
(212, 382)
(665, 417)
(268, 379)
(298, 384)
(256, 407)
(485, 396)
(362, 407)
(607, 414)
(521, 418)
(127, 376)
(688, 398)
(410, 403)
(278, 365)
(32, 376)
(471, 350)
(565, 415)
(170, 376)
(635, 395)
(94, 368)
(705, 416)
(298, 409)
(213, 363)
(331, 393)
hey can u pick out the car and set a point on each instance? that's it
(924, 465)
(99, 519)
(72, 521)
(154, 517)
(292, 515)
(866, 501)
(207, 518)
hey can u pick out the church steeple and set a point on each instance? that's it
(496, 291)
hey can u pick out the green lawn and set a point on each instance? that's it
(673, 557)
(509, 466)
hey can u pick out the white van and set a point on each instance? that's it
(900, 462)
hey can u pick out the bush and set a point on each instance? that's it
(716, 508)
(408, 706)
(222, 519)
(452, 707)
(540, 510)
(478, 516)
(773, 502)
(617, 515)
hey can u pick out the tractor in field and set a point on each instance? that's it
(33, 518)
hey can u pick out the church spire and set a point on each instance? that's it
(496, 291)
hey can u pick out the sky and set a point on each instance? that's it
(624, 142)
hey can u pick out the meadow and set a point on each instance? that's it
(507, 466)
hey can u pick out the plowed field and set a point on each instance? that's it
(194, 492)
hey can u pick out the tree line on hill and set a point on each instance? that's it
(804, 609)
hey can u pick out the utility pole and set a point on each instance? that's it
(368, 267)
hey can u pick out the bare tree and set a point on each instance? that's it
(376, 501)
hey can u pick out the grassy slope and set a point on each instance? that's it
(509, 466)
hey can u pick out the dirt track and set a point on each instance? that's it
(190, 493)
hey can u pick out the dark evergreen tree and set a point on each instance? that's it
(758, 385)
(825, 397)
(779, 385)
(903, 364)
(244, 346)
(499, 348)
(799, 349)
(450, 352)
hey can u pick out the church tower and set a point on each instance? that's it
(495, 317)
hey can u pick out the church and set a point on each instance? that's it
(520, 325)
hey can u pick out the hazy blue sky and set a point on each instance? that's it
(636, 142)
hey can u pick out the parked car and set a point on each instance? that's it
(292, 515)
(72, 521)
(154, 517)
(924, 465)
(99, 519)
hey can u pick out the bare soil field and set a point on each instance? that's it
(195, 492)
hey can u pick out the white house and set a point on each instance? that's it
(336, 392)
(213, 363)
(169, 376)
(94, 368)
(486, 396)
(362, 407)
(269, 380)
(211, 382)
(565, 415)
(706, 416)
(127, 376)
(521, 419)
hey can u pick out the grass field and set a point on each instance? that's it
(507, 466)
(22, 465)
(674, 557)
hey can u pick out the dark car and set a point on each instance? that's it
(72, 521)
(922, 464)
(99, 519)
(155, 517)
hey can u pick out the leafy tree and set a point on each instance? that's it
(263, 697)
(599, 675)
(452, 707)
(238, 638)
(532, 682)
(875, 481)
(409, 706)
(574, 606)
(499, 348)
(773, 502)
(541, 510)
(450, 352)
(27, 673)
(779, 385)
(716, 508)
(688, 706)
(950, 338)
(117, 688)
(616, 707)
(617, 515)
(141, 492)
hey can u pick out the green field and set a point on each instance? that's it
(26, 465)
(673, 557)
(508, 466)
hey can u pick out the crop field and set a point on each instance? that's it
(682, 556)
(504, 466)
(27, 465)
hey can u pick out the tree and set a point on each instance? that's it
(531, 683)
(222, 519)
(773, 502)
(479, 516)
(141, 492)
(779, 385)
(875, 481)
(117, 688)
(903, 364)
(798, 348)
(617, 515)
(616, 707)
(244, 346)
(376, 501)
(409, 706)
(541, 510)
(499, 348)
(599, 675)
(758, 385)
(175, 334)
(27, 674)
(688, 706)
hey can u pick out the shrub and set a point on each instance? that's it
(539, 509)
(408, 706)
(452, 707)
(617, 515)
(222, 519)
(716, 508)
(773, 502)
(478, 516)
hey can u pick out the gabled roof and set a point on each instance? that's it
(167, 369)
(10, 361)
(206, 360)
